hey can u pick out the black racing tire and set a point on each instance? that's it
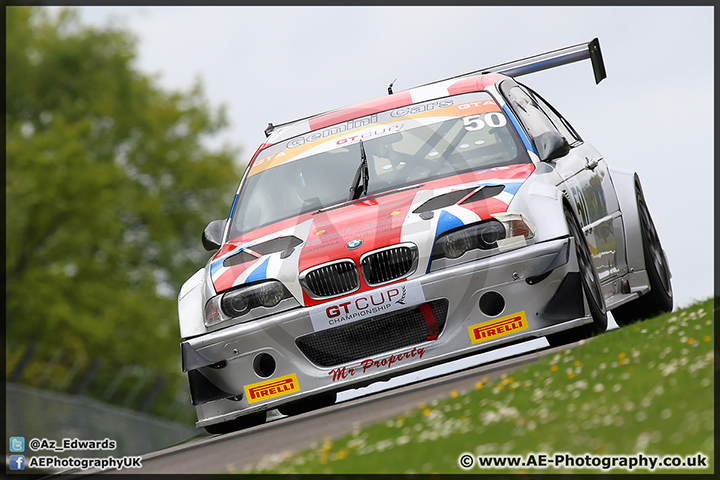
(309, 404)
(660, 297)
(240, 423)
(591, 289)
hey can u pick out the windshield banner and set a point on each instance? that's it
(381, 124)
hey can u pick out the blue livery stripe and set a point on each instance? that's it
(214, 267)
(232, 207)
(512, 187)
(260, 272)
(521, 132)
(447, 221)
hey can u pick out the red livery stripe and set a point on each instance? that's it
(484, 208)
(226, 280)
(353, 112)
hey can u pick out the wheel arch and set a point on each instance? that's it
(542, 201)
(191, 306)
(625, 182)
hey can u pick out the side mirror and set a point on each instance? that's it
(212, 235)
(551, 145)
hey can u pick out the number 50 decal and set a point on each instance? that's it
(492, 119)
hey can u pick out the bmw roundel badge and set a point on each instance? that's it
(353, 244)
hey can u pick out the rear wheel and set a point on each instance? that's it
(309, 404)
(240, 423)
(660, 297)
(591, 289)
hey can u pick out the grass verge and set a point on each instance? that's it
(647, 387)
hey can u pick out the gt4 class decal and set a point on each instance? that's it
(365, 305)
(277, 387)
(501, 327)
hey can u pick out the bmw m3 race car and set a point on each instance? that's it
(410, 230)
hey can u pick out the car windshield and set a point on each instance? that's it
(415, 149)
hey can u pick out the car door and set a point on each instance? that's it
(583, 174)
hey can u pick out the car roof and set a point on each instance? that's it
(454, 86)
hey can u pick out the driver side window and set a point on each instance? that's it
(537, 115)
(530, 113)
(557, 120)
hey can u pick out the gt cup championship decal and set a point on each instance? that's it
(485, 331)
(366, 305)
(277, 387)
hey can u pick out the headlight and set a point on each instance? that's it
(483, 235)
(456, 243)
(235, 303)
(270, 294)
(238, 302)
(504, 232)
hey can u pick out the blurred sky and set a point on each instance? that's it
(653, 114)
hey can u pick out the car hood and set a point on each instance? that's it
(416, 214)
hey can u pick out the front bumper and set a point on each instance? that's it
(531, 280)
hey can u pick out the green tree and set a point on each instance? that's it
(109, 183)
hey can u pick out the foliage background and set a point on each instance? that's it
(109, 184)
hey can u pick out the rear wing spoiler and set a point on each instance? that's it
(544, 61)
(524, 66)
(563, 56)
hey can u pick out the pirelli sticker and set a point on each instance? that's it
(277, 387)
(482, 332)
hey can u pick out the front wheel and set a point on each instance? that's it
(308, 404)
(660, 297)
(591, 288)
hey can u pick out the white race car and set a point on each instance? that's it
(410, 230)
